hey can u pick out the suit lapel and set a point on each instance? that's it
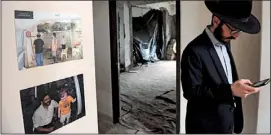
(216, 59)
(233, 66)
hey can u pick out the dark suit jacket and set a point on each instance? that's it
(210, 106)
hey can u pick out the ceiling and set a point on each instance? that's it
(169, 5)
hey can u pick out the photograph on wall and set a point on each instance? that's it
(50, 106)
(44, 38)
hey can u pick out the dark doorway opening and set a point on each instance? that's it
(116, 67)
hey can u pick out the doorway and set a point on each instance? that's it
(135, 61)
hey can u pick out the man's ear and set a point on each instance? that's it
(216, 21)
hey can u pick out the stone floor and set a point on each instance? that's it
(148, 101)
(118, 128)
(148, 98)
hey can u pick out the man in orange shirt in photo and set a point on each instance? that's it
(64, 106)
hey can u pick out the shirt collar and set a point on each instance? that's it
(212, 37)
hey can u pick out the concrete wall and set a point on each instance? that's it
(125, 33)
(128, 34)
(169, 25)
(102, 57)
(121, 31)
(137, 12)
(169, 5)
(246, 50)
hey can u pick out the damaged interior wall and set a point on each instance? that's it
(169, 19)
(137, 12)
(246, 50)
(124, 26)
(120, 34)
(126, 11)
(167, 30)
(128, 35)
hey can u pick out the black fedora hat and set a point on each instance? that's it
(236, 13)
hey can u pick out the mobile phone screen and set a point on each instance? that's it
(261, 83)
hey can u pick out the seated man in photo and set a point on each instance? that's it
(43, 116)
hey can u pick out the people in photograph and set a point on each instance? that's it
(209, 76)
(54, 47)
(63, 42)
(64, 51)
(64, 110)
(38, 45)
(77, 48)
(43, 116)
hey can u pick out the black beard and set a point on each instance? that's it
(218, 35)
(47, 104)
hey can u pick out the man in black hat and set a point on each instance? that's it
(208, 73)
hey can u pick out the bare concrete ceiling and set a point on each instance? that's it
(170, 6)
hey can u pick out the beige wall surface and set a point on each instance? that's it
(263, 124)
(1, 69)
(14, 80)
(194, 18)
(247, 53)
(102, 56)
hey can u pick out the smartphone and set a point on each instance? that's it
(261, 83)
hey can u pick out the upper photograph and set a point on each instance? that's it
(44, 38)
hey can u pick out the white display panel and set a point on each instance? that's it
(15, 80)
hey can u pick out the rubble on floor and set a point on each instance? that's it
(157, 116)
(148, 99)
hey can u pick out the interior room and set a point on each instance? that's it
(146, 40)
(194, 18)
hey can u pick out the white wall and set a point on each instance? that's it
(246, 50)
(12, 119)
(264, 95)
(102, 57)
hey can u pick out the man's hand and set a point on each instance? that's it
(73, 100)
(242, 89)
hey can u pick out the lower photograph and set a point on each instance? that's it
(50, 106)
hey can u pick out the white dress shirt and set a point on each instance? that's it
(43, 116)
(223, 55)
